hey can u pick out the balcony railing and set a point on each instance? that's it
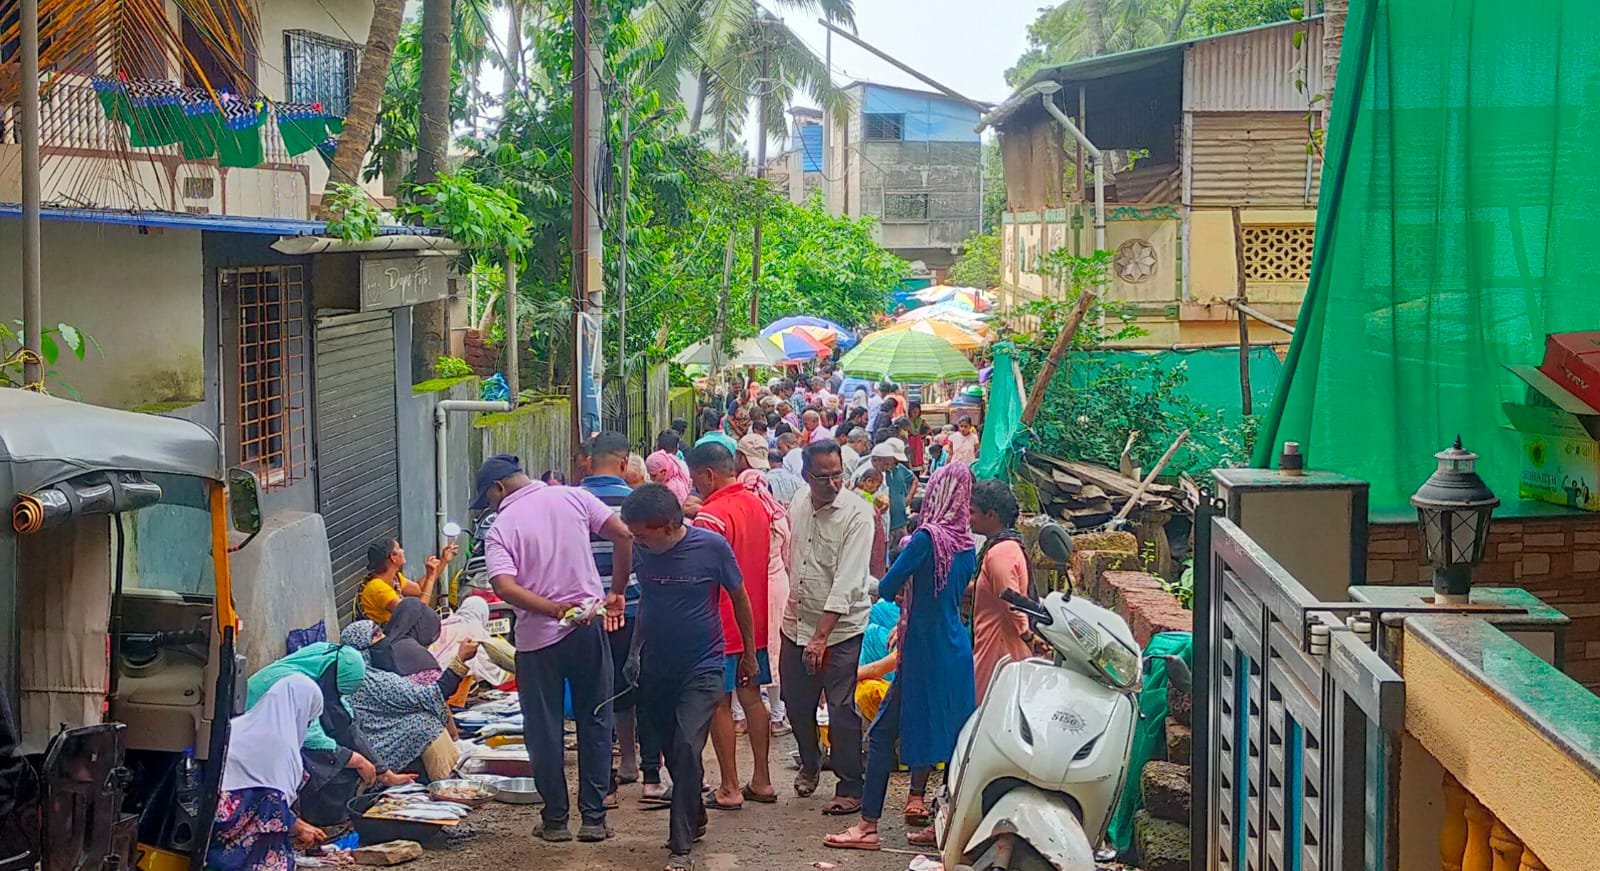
(88, 161)
(1519, 745)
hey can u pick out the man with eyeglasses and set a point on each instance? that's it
(830, 550)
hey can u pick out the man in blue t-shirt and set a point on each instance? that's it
(682, 572)
(605, 457)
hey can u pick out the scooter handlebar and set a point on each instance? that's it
(1027, 606)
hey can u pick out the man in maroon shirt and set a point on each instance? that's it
(738, 515)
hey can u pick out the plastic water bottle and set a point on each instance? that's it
(188, 795)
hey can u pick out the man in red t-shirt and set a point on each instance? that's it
(738, 515)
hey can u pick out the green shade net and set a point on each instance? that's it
(1213, 375)
(1456, 228)
(1150, 735)
(1002, 419)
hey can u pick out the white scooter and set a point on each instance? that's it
(1038, 767)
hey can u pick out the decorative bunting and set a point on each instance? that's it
(159, 113)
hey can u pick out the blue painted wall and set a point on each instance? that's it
(929, 118)
(811, 147)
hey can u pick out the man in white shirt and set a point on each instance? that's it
(830, 550)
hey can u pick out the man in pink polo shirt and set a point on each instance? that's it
(539, 560)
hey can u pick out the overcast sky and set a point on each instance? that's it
(966, 45)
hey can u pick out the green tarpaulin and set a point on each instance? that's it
(1002, 419)
(1150, 734)
(1456, 227)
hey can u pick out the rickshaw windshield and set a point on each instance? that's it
(169, 544)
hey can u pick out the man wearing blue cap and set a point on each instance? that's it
(539, 560)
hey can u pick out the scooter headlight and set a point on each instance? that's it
(1118, 662)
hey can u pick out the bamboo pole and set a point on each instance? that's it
(1127, 507)
(1058, 352)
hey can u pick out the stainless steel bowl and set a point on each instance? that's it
(493, 780)
(518, 790)
(483, 793)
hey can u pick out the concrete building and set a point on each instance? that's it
(802, 158)
(210, 296)
(1219, 126)
(913, 161)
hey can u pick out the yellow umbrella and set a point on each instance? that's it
(963, 339)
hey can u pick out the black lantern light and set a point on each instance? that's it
(1453, 508)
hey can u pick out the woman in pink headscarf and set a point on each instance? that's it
(666, 470)
(932, 693)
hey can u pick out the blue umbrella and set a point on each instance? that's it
(845, 338)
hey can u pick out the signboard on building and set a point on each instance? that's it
(393, 282)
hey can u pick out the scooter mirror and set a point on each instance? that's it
(1056, 544)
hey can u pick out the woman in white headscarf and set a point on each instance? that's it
(470, 622)
(256, 826)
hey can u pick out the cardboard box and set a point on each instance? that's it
(1572, 360)
(1560, 443)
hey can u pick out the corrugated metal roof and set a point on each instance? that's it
(213, 223)
(1120, 63)
(1253, 71)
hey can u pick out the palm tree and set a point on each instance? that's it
(719, 43)
(366, 96)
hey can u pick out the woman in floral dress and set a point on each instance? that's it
(256, 826)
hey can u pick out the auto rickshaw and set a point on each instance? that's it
(118, 663)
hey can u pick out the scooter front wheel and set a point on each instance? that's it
(1009, 853)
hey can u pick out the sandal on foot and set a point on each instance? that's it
(657, 802)
(916, 811)
(680, 862)
(853, 839)
(842, 807)
(716, 804)
(924, 837)
(750, 794)
(805, 783)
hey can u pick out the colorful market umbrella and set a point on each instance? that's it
(944, 312)
(907, 356)
(970, 299)
(803, 342)
(961, 338)
(843, 338)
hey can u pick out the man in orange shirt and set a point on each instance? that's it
(738, 515)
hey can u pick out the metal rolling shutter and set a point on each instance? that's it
(358, 478)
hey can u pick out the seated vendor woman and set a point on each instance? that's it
(386, 586)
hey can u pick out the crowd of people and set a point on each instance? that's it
(813, 550)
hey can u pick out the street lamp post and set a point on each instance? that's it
(1453, 508)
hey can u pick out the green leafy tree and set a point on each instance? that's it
(979, 264)
(1077, 29)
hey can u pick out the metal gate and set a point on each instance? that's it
(358, 483)
(1302, 720)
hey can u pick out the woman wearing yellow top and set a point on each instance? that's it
(386, 586)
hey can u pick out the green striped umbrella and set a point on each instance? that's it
(902, 355)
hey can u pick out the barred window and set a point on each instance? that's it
(905, 207)
(318, 69)
(272, 370)
(883, 126)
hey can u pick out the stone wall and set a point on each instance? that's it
(1556, 559)
(1110, 576)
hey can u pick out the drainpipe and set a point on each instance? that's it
(441, 427)
(1046, 92)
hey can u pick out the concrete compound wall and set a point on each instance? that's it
(418, 529)
(281, 581)
(948, 172)
(1556, 559)
(138, 294)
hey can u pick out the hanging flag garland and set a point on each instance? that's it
(239, 141)
(202, 124)
(157, 113)
(302, 125)
(160, 113)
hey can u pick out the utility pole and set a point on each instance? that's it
(580, 190)
(761, 172)
(622, 253)
(594, 278)
(588, 285)
(32, 305)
